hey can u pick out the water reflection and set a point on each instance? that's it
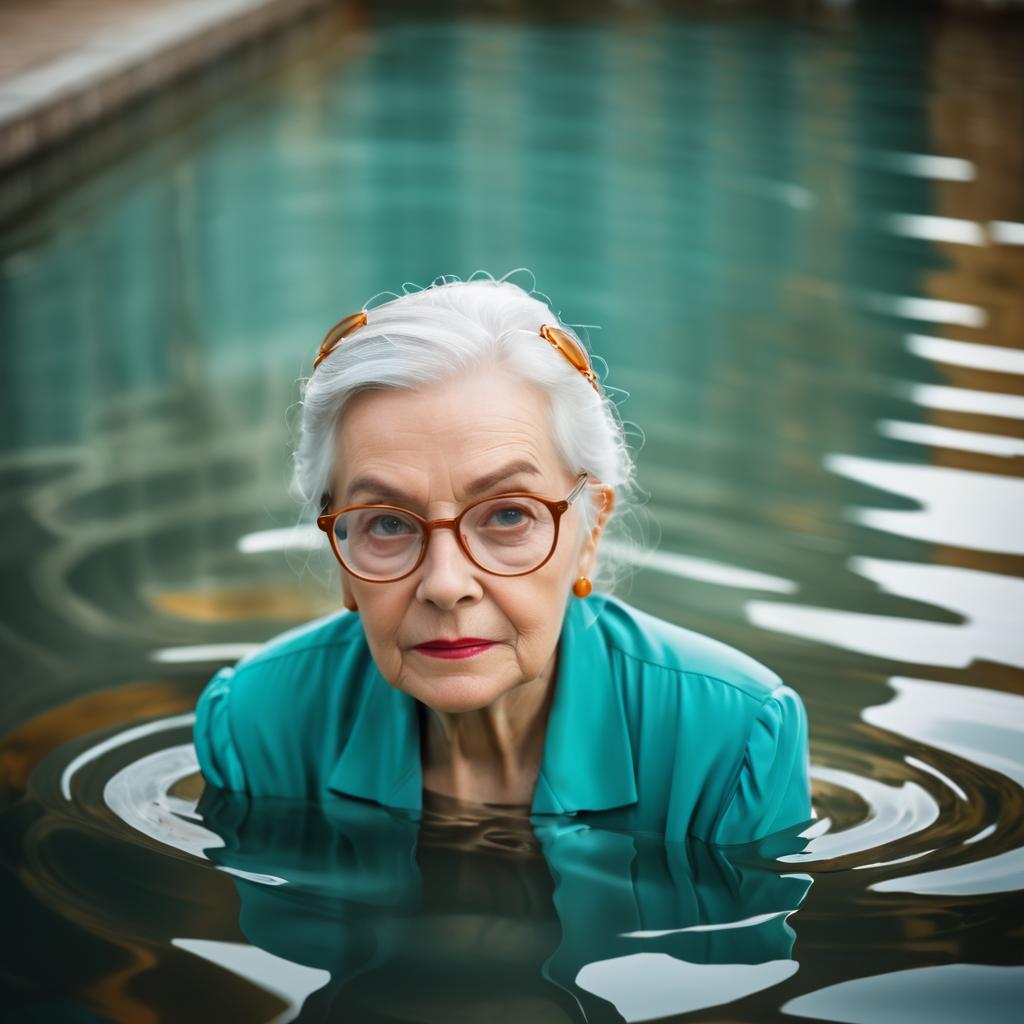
(969, 510)
(947, 437)
(964, 353)
(983, 728)
(395, 910)
(955, 992)
(291, 983)
(983, 605)
(353, 909)
(928, 310)
(967, 400)
(1006, 232)
(895, 814)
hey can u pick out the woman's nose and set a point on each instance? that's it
(448, 577)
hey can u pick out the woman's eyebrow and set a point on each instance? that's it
(487, 482)
(383, 491)
(375, 490)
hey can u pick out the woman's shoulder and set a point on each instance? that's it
(647, 640)
(293, 672)
(724, 739)
(272, 723)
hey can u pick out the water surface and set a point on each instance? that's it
(801, 239)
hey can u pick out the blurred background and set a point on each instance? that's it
(793, 231)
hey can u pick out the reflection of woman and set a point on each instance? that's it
(466, 461)
(465, 916)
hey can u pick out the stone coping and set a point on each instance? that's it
(112, 66)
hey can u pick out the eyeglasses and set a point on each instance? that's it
(507, 535)
(554, 336)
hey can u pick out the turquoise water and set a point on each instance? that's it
(799, 241)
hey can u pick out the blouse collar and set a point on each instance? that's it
(588, 759)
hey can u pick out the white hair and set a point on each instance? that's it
(431, 335)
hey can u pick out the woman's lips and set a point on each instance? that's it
(459, 649)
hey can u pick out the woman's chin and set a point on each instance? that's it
(456, 694)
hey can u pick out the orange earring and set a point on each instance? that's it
(351, 605)
(582, 587)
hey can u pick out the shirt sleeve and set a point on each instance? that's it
(773, 788)
(218, 758)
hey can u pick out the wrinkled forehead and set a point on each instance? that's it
(436, 440)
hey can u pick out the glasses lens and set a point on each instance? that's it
(378, 543)
(509, 535)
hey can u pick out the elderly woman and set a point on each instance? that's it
(465, 463)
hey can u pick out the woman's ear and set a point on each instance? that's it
(606, 503)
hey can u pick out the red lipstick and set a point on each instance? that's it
(463, 647)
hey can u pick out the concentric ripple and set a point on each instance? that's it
(143, 773)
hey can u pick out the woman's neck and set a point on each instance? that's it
(493, 754)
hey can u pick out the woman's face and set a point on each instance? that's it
(431, 444)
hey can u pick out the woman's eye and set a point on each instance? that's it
(388, 526)
(509, 516)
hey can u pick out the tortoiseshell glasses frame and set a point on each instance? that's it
(557, 509)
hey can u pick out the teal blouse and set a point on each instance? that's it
(653, 728)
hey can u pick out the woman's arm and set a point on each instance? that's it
(215, 748)
(773, 788)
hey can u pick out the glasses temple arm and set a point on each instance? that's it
(577, 490)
